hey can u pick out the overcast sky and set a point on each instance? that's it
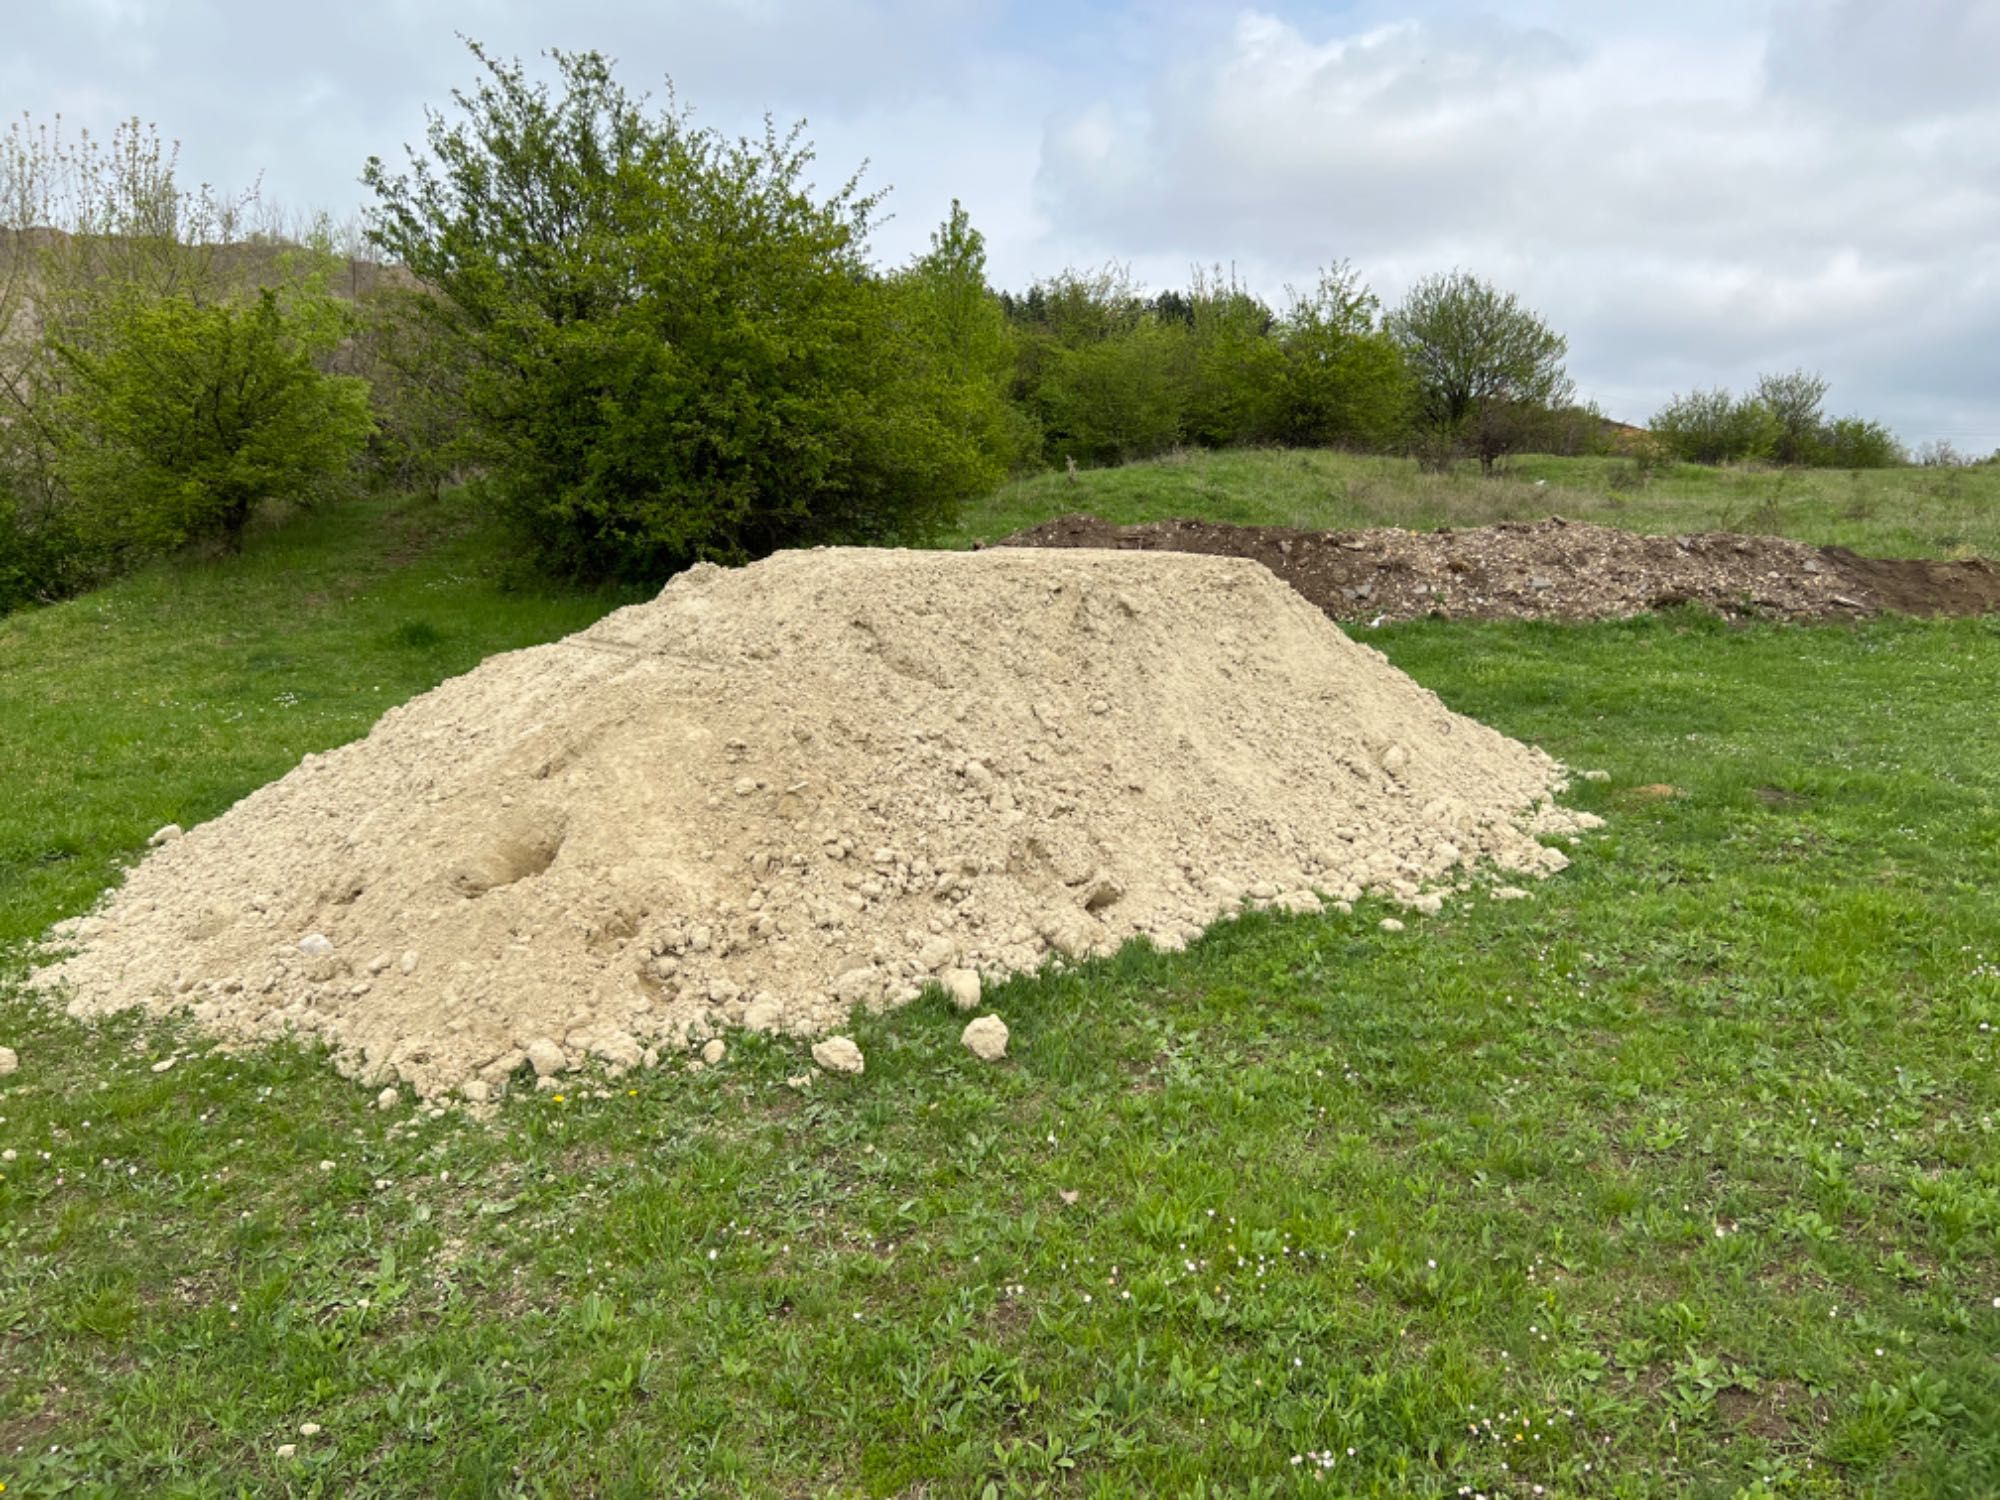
(1692, 192)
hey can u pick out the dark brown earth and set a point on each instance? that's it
(1557, 570)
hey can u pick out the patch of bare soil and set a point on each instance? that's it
(1556, 570)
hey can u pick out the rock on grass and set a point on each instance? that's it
(986, 1038)
(838, 1054)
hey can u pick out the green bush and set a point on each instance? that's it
(1857, 443)
(679, 352)
(178, 417)
(958, 353)
(1111, 374)
(1120, 398)
(1780, 423)
(416, 371)
(1236, 368)
(1713, 427)
(1794, 401)
(159, 378)
(41, 558)
(1346, 383)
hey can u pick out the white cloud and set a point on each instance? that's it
(1681, 205)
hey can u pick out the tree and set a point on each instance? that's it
(416, 368)
(180, 417)
(1346, 384)
(1857, 443)
(681, 351)
(961, 351)
(1235, 374)
(1484, 368)
(1119, 398)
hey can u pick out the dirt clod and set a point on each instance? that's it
(931, 796)
(838, 1054)
(963, 987)
(986, 1038)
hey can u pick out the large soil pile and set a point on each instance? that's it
(776, 793)
(1557, 569)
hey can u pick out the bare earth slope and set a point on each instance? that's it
(775, 793)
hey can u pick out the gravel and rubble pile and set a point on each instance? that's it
(1556, 570)
(774, 794)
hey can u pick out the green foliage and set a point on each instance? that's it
(158, 382)
(416, 369)
(1485, 369)
(679, 351)
(1713, 427)
(1346, 382)
(1236, 367)
(1115, 375)
(959, 352)
(1857, 443)
(41, 557)
(1794, 401)
(1781, 423)
(1120, 398)
(180, 416)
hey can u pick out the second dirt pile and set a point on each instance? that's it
(777, 793)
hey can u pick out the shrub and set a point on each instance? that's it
(179, 417)
(160, 379)
(1235, 367)
(680, 351)
(959, 353)
(1713, 427)
(1118, 399)
(1856, 443)
(416, 370)
(1782, 422)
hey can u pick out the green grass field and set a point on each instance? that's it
(1886, 512)
(1680, 1178)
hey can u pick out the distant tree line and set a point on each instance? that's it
(643, 344)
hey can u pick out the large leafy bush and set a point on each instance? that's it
(680, 351)
(161, 376)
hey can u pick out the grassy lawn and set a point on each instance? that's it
(1886, 512)
(1680, 1178)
